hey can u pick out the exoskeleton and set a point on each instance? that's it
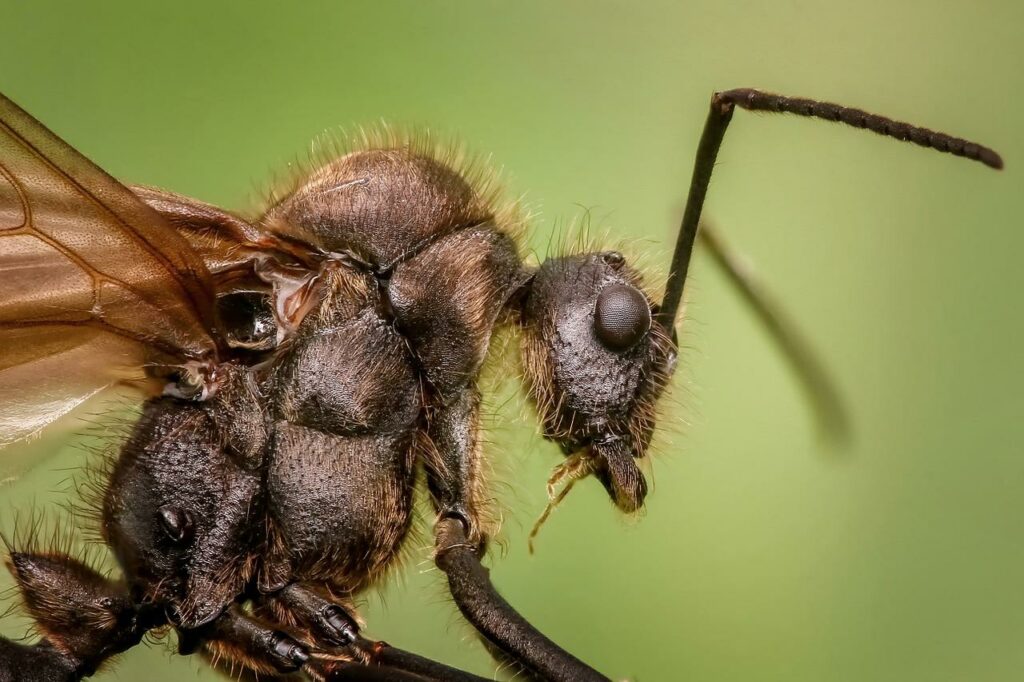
(298, 370)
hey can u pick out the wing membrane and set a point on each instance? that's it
(37, 387)
(93, 282)
(228, 244)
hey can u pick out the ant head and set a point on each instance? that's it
(596, 361)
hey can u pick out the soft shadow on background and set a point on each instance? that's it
(760, 556)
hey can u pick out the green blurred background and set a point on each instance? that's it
(760, 556)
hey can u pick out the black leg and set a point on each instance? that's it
(494, 618)
(384, 654)
(337, 649)
(39, 663)
(236, 639)
(722, 106)
(330, 623)
(369, 660)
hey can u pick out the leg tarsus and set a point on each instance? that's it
(328, 620)
(338, 652)
(336, 671)
(253, 644)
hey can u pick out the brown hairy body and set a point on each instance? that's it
(300, 368)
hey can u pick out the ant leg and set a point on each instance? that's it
(384, 655)
(234, 638)
(722, 106)
(84, 618)
(297, 606)
(494, 618)
(452, 477)
(452, 453)
(810, 371)
(46, 663)
(381, 661)
(336, 671)
(300, 606)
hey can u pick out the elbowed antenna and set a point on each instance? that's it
(722, 106)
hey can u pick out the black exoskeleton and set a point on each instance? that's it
(306, 365)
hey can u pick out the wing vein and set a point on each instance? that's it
(201, 311)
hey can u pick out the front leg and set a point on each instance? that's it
(302, 606)
(453, 462)
(456, 489)
(338, 651)
(237, 639)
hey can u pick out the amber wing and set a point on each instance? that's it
(93, 282)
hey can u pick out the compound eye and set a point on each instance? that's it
(623, 316)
